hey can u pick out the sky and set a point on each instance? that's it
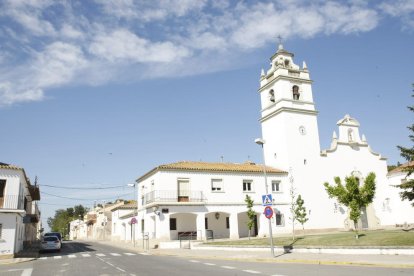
(96, 93)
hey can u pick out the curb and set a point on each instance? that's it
(289, 261)
(16, 261)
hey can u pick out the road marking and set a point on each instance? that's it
(146, 254)
(194, 261)
(228, 267)
(115, 254)
(252, 271)
(71, 256)
(130, 254)
(57, 257)
(86, 255)
(120, 269)
(100, 255)
(43, 258)
(277, 275)
(26, 271)
(209, 264)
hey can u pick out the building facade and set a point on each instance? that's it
(199, 200)
(19, 213)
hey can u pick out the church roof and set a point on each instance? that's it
(247, 167)
(401, 168)
(348, 120)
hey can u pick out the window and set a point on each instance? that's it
(272, 96)
(276, 186)
(216, 185)
(173, 224)
(350, 135)
(183, 190)
(280, 221)
(227, 222)
(247, 185)
(295, 91)
(206, 223)
(2, 189)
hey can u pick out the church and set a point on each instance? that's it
(201, 200)
(289, 123)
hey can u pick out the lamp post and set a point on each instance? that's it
(261, 142)
(135, 185)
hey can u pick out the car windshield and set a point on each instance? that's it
(51, 238)
(53, 234)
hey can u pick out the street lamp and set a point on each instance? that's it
(135, 185)
(261, 142)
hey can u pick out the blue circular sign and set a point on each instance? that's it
(268, 212)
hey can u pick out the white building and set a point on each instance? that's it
(393, 208)
(19, 213)
(123, 222)
(188, 198)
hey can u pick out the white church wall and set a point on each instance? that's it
(394, 210)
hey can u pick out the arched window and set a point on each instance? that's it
(350, 135)
(272, 96)
(295, 91)
(286, 63)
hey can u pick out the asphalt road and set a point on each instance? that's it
(80, 258)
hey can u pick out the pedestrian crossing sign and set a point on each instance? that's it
(267, 200)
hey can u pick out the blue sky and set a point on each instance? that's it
(96, 93)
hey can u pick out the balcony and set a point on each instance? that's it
(173, 197)
(12, 202)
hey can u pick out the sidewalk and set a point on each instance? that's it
(403, 261)
(29, 253)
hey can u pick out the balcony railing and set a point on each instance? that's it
(174, 196)
(12, 202)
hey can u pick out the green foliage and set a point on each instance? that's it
(352, 195)
(250, 213)
(300, 211)
(408, 153)
(62, 218)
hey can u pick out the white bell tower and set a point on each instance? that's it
(288, 115)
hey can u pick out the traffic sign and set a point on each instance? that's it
(268, 212)
(267, 200)
(133, 221)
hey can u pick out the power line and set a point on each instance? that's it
(87, 198)
(84, 188)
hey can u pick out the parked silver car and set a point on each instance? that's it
(51, 243)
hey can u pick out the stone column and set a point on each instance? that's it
(234, 226)
(200, 223)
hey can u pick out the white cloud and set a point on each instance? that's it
(123, 46)
(150, 10)
(57, 43)
(403, 9)
(57, 65)
(28, 14)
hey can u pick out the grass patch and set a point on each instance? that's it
(366, 238)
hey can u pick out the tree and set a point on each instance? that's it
(62, 218)
(408, 153)
(352, 195)
(79, 211)
(251, 215)
(300, 212)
